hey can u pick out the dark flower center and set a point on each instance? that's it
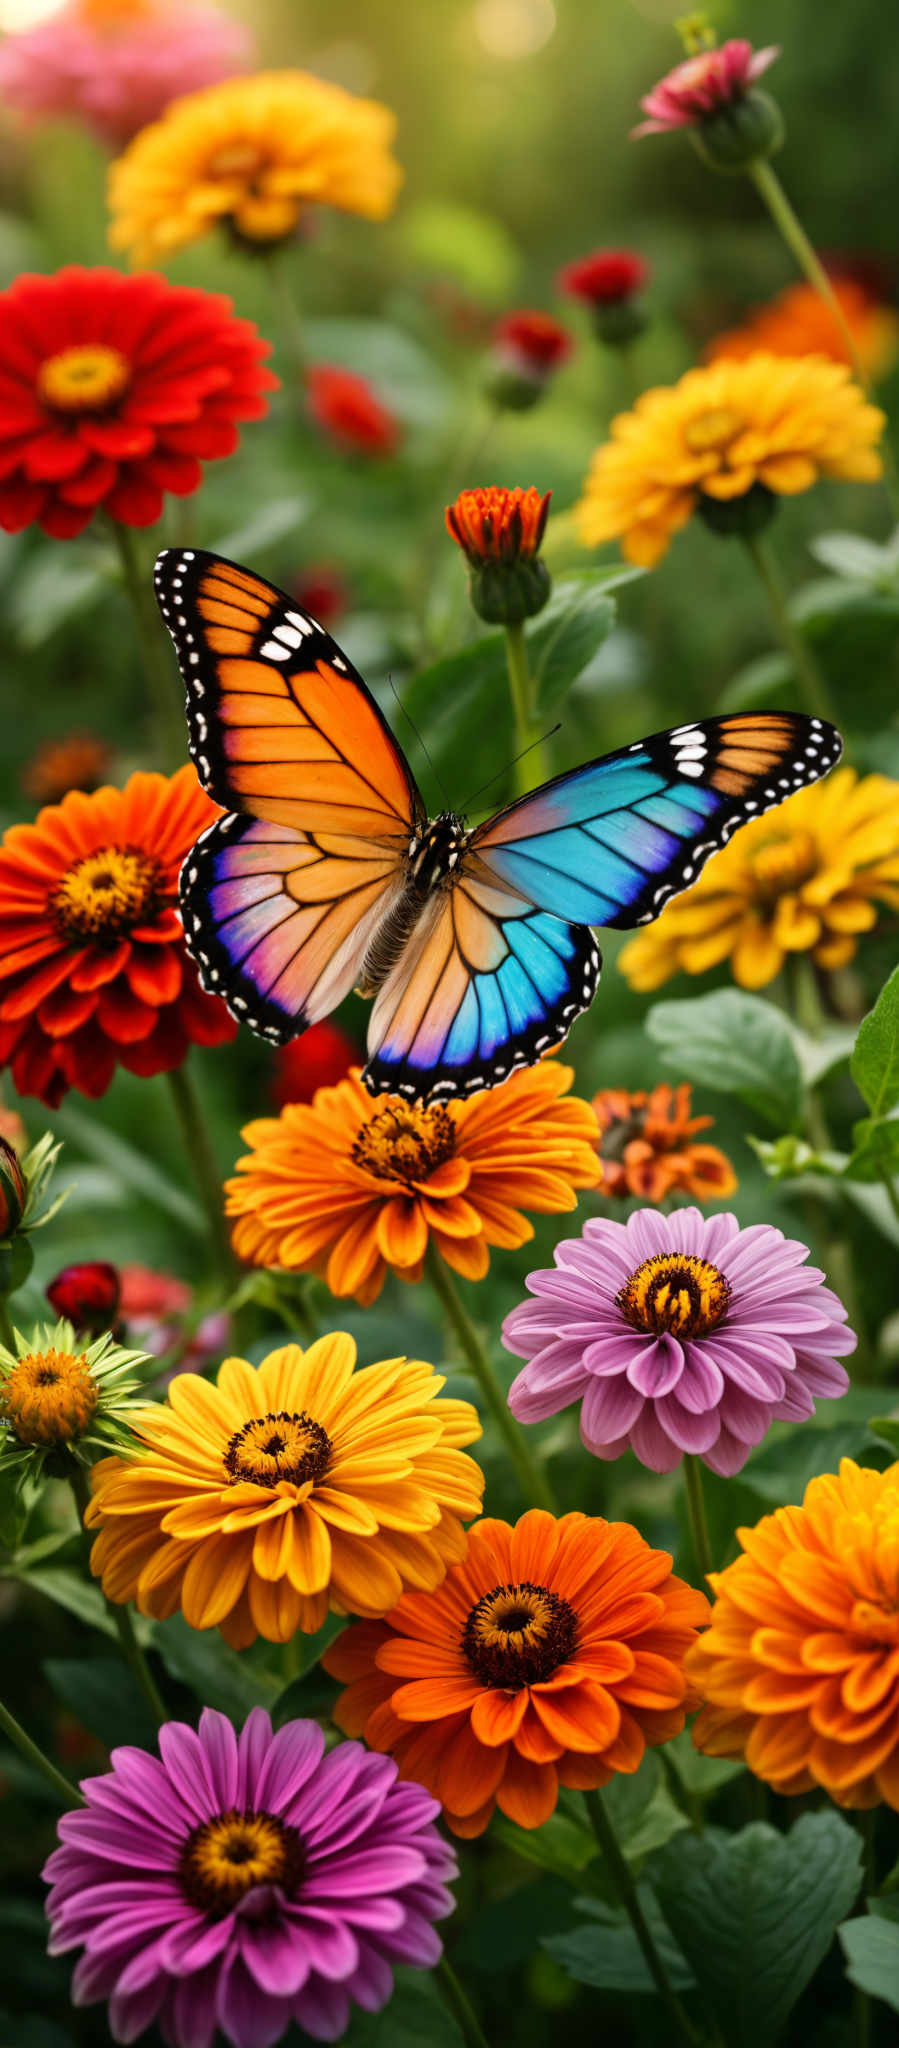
(224, 1858)
(275, 1447)
(106, 894)
(517, 1635)
(405, 1143)
(675, 1294)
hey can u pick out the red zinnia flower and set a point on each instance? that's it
(86, 1294)
(319, 1059)
(605, 278)
(93, 967)
(533, 343)
(345, 406)
(113, 390)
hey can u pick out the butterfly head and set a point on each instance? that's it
(436, 851)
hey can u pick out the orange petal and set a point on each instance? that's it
(528, 1792)
(469, 1772)
(497, 1716)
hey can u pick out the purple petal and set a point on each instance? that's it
(293, 1755)
(657, 1366)
(192, 2012)
(140, 1785)
(746, 1419)
(533, 1404)
(219, 1741)
(372, 1983)
(613, 1354)
(184, 1757)
(349, 1793)
(279, 1957)
(381, 1869)
(702, 1384)
(131, 2013)
(823, 1376)
(252, 1749)
(248, 2016)
(609, 1409)
(727, 1456)
(322, 2010)
(690, 1432)
(650, 1443)
(195, 1944)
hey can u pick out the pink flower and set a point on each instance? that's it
(116, 67)
(153, 1305)
(703, 83)
(678, 1333)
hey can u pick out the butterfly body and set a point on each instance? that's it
(476, 945)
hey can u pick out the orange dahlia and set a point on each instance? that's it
(646, 1146)
(800, 1667)
(256, 1504)
(93, 968)
(552, 1655)
(798, 322)
(352, 1184)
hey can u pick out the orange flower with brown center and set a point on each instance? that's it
(800, 1667)
(351, 1185)
(646, 1146)
(552, 1655)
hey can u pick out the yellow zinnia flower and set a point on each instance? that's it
(721, 432)
(256, 1504)
(251, 153)
(803, 879)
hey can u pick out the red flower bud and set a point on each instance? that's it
(87, 1294)
(346, 408)
(13, 1189)
(605, 278)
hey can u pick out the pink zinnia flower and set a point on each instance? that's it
(702, 83)
(116, 67)
(678, 1333)
(243, 1883)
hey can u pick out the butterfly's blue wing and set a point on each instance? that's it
(485, 984)
(609, 843)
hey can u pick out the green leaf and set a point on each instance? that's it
(135, 1171)
(103, 1696)
(69, 1589)
(886, 1427)
(780, 1471)
(875, 1061)
(734, 1043)
(560, 1845)
(47, 593)
(560, 646)
(850, 555)
(875, 1149)
(607, 1955)
(701, 1776)
(755, 1914)
(819, 1055)
(13, 1508)
(416, 2016)
(871, 1947)
(642, 1811)
(214, 1672)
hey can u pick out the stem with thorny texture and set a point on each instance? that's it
(699, 1527)
(812, 687)
(67, 1793)
(164, 687)
(627, 1892)
(192, 1126)
(521, 690)
(535, 1485)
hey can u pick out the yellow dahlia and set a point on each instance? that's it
(769, 421)
(256, 1504)
(805, 878)
(251, 153)
(800, 1667)
(351, 1184)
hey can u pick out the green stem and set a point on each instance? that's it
(531, 769)
(788, 224)
(7, 1333)
(67, 1793)
(892, 1192)
(809, 1013)
(290, 325)
(130, 1647)
(460, 2006)
(192, 1126)
(163, 685)
(812, 687)
(699, 1527)
(627, 1892)
(534, 1484)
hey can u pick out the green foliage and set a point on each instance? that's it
(736, 1044)
(104, 1697)
(607, 1955)
(418, 2016)
(871, 1947)
(755, 1913)
(220, 1677)
(875, 1061)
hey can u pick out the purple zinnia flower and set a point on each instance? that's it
(243, 1883)
(678, 1333)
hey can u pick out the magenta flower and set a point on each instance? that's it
(678, 1333)
(703, 83)
(116, 69)
(240, 1884)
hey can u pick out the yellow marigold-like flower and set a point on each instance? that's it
(719, 433)
(352, 1184)
(805, 878)
(798, 322)
(57, 1394)
(286, 1489)
(800, 1667)
(251, 153)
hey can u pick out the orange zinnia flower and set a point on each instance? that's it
(552, 1655)
(352, 1184)
(646, 1146)
(800, 1667)
(93, 968)
(256, 1504)
(800, 323)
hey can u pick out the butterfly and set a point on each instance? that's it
(476, 946)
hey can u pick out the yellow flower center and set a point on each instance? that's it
(106, 894)
(405, 1142)
(517, 1635)
(783, 865)
(88, 378)
(49, 1397)
(224, 1858)
(272, 1448)
(713, 430)
(675, 1294)
(235, 160)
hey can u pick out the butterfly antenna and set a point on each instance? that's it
(422, 743)
(510, 764)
